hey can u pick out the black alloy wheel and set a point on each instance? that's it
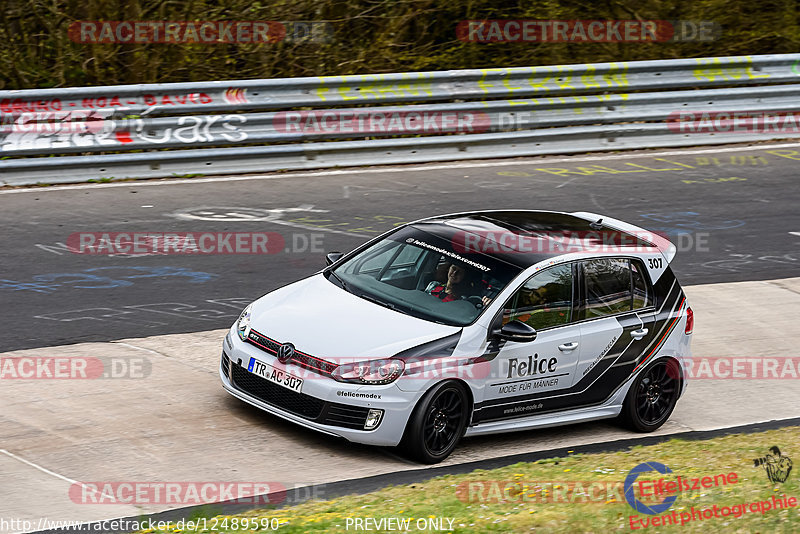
(652, 396)
(438, 422)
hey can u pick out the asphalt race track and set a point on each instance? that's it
(732, 211)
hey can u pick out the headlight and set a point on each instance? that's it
(371, 372)
(243, 323)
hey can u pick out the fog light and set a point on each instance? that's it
(373, 419)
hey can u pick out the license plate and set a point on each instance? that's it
(276, 376)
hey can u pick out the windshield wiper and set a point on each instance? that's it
(339, 279)
(377, 301)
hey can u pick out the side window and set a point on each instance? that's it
(613, 285)
(544, 301)
(642, 297)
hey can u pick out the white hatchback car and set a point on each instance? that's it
(467, 324)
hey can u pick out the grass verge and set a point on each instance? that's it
(577, 493)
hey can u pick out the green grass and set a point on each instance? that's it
(531, 508)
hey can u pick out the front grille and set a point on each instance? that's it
(225, 364)
(326, 413)
(278, 396)
(315, 364)
(300, 358)
(264, 342)
(346, 416)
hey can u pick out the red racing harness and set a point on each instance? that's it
(440, 293)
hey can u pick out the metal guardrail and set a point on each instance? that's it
(487, 113)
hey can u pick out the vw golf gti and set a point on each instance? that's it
(467, 324)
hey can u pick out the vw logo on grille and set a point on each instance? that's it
(286, 352)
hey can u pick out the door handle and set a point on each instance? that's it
(639, 334)
(567, 347)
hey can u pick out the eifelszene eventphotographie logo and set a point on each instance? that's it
(777, 465)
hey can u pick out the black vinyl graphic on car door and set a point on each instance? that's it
(625, 355)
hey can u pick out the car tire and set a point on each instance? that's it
(437, 423)
(652, 396)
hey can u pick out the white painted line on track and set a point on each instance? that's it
(435, 167)
(123, 344)
(53, 473)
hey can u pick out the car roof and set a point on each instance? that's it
(525, 237)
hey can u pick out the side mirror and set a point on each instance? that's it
(333, 257)
(517, 331)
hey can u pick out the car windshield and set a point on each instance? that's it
(425, 275)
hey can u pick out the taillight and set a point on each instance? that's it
(689, 321)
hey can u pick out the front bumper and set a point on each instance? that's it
(325, 405)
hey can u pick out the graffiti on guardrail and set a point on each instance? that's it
(547, 109)
(30, 131)
(14, 106)
(716, 69)
(52, 122)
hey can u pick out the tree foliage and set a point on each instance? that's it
(369, 36)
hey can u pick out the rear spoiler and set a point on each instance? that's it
(664, 245)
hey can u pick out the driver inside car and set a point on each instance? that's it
(461, 284)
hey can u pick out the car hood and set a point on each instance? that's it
(321, 319)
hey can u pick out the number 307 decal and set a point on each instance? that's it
(655, 263)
